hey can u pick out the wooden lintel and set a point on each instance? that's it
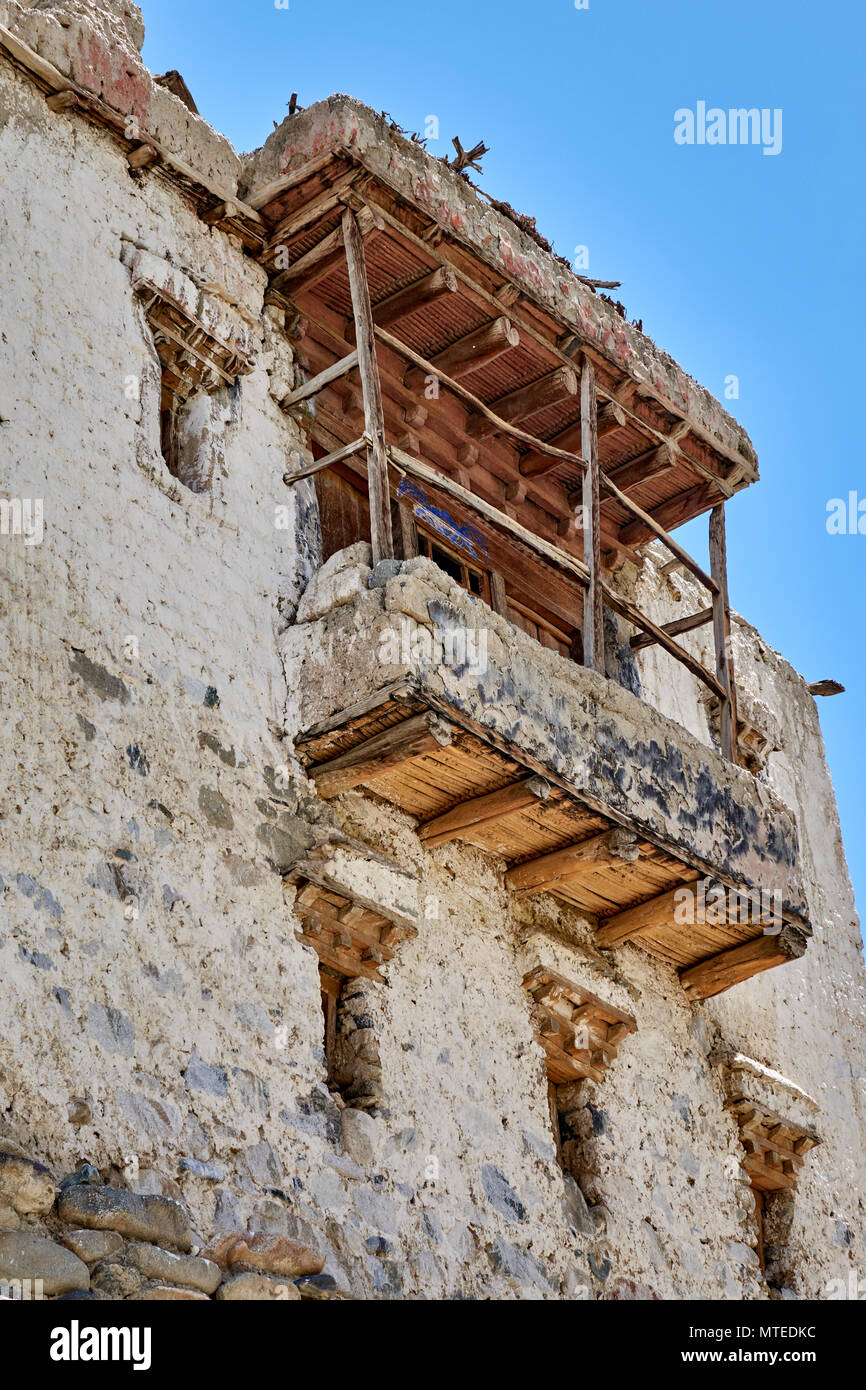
(548, 390)
(565, 866)
(423, 733)
(483, 811)
(740, 963)
(470, 353)
(424, 291)
(700, 619)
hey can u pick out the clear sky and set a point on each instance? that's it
(739, 263)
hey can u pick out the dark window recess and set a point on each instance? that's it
(473, 580)
(331, 986)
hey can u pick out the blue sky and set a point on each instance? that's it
(738, 263)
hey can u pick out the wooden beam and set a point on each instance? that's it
(548, 390)
(673, 513)
(658, 634)
(323, 378)
(740, 963)
(423, 733)
(657, 530)
(470, 353)
(635, 921)
(700, 619)
(474, 402)
(309, 212)
(728, 728)
(338, 455)
(313, 266)
(611, 417)
(639, 470)
(374, 420)
(424, 291)
(593, 606)
(483, 811)
(562, 866)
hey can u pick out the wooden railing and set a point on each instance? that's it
(589, 572)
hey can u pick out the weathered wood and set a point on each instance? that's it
(470, 353)
(634, 615)
(520, 534)
(680, 625)
(657, 530)
(423, 733)
(639, 470)
(321, 258)
(635, 921)
(673, 513)
(374, 420)
(498, 595)
(574, 862)
(328, 460)
(474, 402)
(323, 378)
(722, 634)
(548, 390)
(740, 963)
(610, 417)
(142, 155)
(484, 810)
(424, 291)
(593, 607)
(310, 211)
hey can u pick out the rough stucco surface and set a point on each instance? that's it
(161, 1021)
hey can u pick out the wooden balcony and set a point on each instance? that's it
(582, 789)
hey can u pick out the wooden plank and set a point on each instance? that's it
(722, 634)
(572, 862)
(324, 378)
(424, 291)
(593, 607)
(423, 733)
(674, 629)
(374, 420)
(740, 963)
(484, 810)
(328, 460)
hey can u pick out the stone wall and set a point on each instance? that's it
(162, 1023)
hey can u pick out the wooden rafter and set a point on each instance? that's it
(423, 733)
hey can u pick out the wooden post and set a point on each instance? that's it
(593, 611)
(722, 633)
(374, 420)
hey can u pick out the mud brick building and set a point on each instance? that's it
(416, 882)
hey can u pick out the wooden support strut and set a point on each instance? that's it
(374, 419)
(722, 634)
(593, 606)
(680, 625)
(423, 733)
(323, 378)
(548, 390)
(480, 812)
(610, 417)
(562, 866)
(338, 455)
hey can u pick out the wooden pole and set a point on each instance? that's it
(374, 419)
(722, 633)
(593, 610)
